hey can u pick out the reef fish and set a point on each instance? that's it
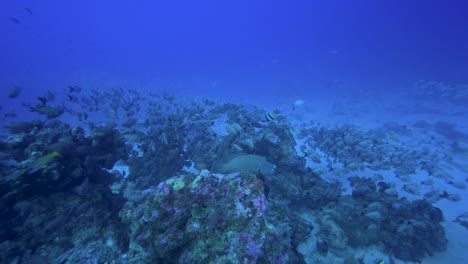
(22, 126)
(462, 219)
(74, 88)
(14, 92)
(49, 111)
(269, 116)
(298, 103)
(43, 162)
(248, 163)
(28, 10)
(14, 20)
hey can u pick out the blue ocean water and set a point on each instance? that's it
(275, 48)
(375, 89)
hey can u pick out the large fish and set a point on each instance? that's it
(49, 111)
(248, 163)
(14, 92)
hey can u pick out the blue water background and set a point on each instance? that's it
(266, 53)
(246, 50)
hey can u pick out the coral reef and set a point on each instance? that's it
(440, 91)
(196, 181)
(357, 149)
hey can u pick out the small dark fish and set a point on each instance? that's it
(50, 96)
(15, 20)
(21, 126)
(208, 102)
(72, 98)
(28, 10)
(9, 114)
(43, 100)
(74, 88)
(462, 219)
(168, 98)
(82, 116)
(14, 92)
(49, 111)
(56, 224)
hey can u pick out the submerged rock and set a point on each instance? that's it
(206, 218)
(409, 230)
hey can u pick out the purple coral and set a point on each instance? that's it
(164, 188)
(260, 204)
(154, 214)
(254, 250)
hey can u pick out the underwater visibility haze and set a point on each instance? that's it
(233, 131)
